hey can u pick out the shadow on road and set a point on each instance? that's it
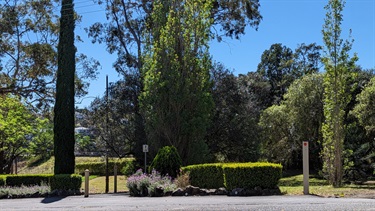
(49, 200)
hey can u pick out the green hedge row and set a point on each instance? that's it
(66, 182)
(206, 175)
(251, 175)
(57, 182)
(27, 179)
(2, 180)
(98, 168)
(234, 175)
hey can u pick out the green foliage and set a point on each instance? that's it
(35, 179)
(167, 161)
(71, 182)
(234, 175)
(233, 134)
(98, 168)
(176, 98)
(15, 128)
(251, 175)
(198, 175)
(41, 144)
(2, 180)
(298, 118)
(281, 66)
(65, 91)
(339, 71)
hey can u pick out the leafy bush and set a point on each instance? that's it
(98, 168)
(141, 184)
(167, 161)
(199, 174)
(27, 180)
(66, 182)
(251, 175)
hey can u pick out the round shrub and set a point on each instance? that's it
(167, 161)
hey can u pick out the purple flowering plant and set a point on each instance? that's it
(141, 184)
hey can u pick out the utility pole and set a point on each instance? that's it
(106, 148)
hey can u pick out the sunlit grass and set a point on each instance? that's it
(97, 184)
(294, 186)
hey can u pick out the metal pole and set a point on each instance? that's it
(305, 155)
(87, 174)
(106, 150)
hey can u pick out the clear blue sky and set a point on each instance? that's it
(290, 22)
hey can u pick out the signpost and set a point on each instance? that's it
(145, 150)
(305, 155)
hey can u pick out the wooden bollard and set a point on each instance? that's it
(115, 178)
(87, 174)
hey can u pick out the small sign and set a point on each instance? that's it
(145, 148)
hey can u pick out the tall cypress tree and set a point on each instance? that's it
(64, 105)
(339, 67)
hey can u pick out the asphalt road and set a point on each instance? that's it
(124, 202)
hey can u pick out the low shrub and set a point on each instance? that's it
(167, 161)
(138, 184)
(66, 182)
(27, 179)
(98, 168)
(200, 173)
(24, 191)
(251, 175)
(154, 184)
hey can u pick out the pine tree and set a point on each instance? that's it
(338, 66)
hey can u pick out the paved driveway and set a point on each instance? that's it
(124, 202)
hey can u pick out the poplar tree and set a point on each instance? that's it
(176, 97)
(338, 66)
(64, 106)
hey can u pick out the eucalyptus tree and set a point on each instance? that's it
(28, 53)
(280, 65)
(339, 68)
(28, 33)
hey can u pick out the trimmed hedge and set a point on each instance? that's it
(234, 175)
(27, 179)
(98, 168)
(206, 175)
(2, 180)
(66, 182)
(251, 175)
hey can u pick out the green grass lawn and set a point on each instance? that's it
(293, 185)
